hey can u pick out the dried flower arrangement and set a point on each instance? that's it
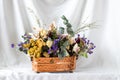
(54, 42)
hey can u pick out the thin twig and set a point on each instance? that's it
(37, 20)
(85, 27)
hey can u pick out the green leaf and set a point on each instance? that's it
(70, 31)
(65, 53)
(84, 54)
(64, 18)
(65, 22)
(65, 44)
(68, 25)
(62, 47)
(62, 54)
(61, 30)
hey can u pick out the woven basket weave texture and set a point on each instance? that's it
(54, 64)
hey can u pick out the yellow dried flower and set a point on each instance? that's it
(31, 40)
(26, 45)
(30, 53)
(43, 33)
(31, 50)
(35, 47)
(46, 54)
(40, 43)
(33, 43)
(37, 55)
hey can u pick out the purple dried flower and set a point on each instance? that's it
(91, 46)
(92, 43)
(56, 41)
(88, 41)
(49, 51)
(20, 44)
(78, 35)
(26, 36)
(89, 51)
(84, 39)
(77, 39)
(94, 46)
(12, 45)
(29, 37)
(54, 47)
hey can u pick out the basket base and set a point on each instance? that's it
(57, 71)
(67, 64)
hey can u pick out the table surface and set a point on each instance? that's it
(18, 73)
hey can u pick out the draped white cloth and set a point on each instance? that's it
(16, 19)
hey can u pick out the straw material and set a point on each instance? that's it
(54, 64)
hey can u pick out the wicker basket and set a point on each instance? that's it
(54, 64)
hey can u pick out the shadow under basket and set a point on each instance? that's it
(54, 64)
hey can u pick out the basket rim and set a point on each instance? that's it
(52, 57)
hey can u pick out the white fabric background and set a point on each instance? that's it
(15, 19)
